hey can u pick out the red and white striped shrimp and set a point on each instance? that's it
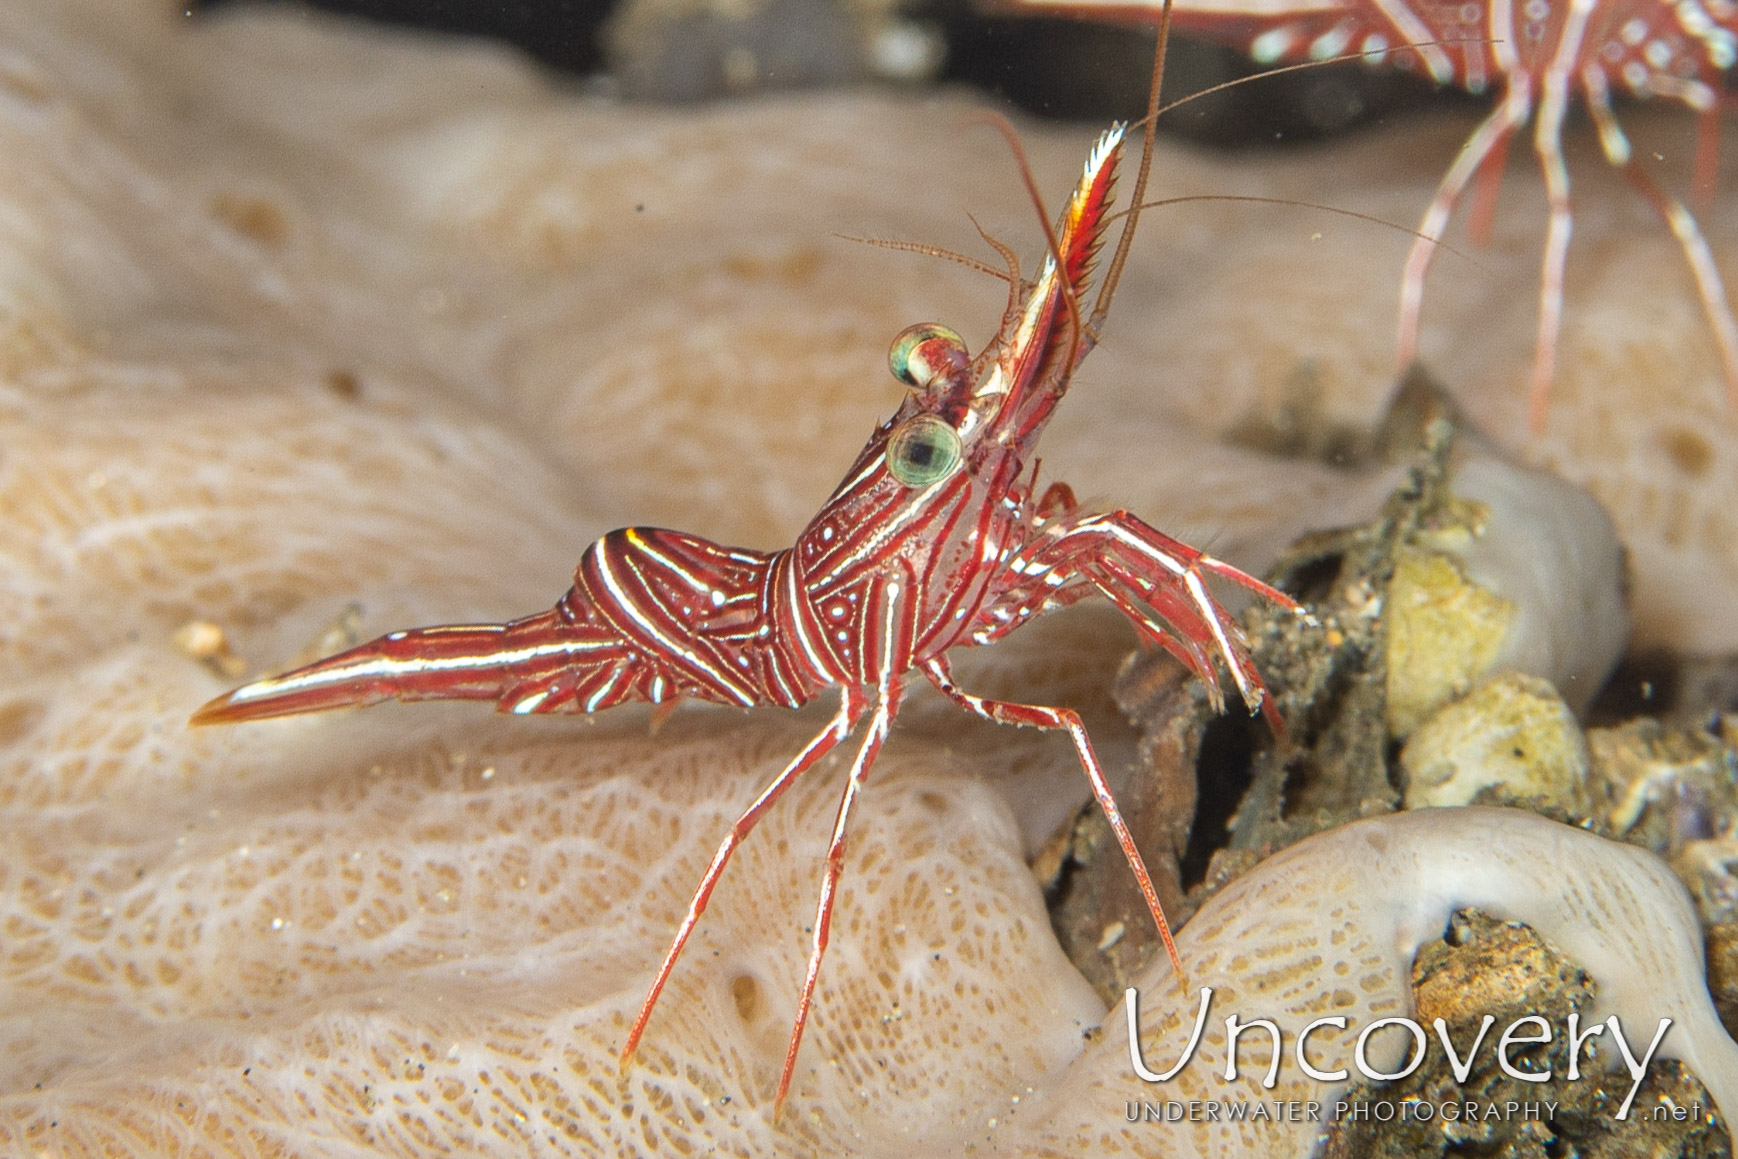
(935, 540)
(1536, 53)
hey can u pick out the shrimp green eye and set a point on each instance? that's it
(924, 352)
(922, 451)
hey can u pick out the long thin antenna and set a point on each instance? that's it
(1249, 199)
(1113, 273)
(934, 251)
(1343, 58)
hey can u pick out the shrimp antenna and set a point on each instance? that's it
(1149, 128)
(1336, 210)
(934, 251)
(1149, 124)
(1343, 58)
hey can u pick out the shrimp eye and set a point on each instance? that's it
(925, 352)
(923, 450)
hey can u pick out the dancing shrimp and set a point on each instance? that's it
(936, 539)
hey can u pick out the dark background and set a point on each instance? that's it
(1063, 69)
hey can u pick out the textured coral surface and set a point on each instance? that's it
(306, 331)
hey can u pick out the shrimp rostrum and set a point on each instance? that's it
(935, 540)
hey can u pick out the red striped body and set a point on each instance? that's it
(658, 616)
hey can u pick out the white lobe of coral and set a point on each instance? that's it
(1329, 927)
(1551, 550)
